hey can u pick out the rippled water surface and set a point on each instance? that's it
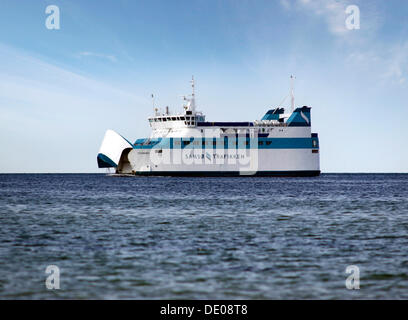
(203, 238)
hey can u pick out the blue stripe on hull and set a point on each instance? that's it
(300, 173)
(261, 143)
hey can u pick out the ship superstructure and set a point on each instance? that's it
(185, 144)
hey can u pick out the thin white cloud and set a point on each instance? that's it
(109, 57)
(45, 106)
(397, 64)
(333, 13)
(388, 60)
(285, 4)
(389, 65)
(33, 75)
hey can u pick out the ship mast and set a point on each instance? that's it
(154, 109)
(192, 85)
(192, 101)
(292, 94)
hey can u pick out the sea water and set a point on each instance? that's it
(203, 238)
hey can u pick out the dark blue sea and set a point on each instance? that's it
(203, 238)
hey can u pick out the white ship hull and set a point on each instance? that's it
(224, 162)
(186, 145)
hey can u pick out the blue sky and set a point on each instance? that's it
(61, 89)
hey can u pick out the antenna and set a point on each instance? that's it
(292, 94)
(191, 103)
(192, 84)
(154, 110)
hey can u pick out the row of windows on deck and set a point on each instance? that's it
(187, 123)
(214, 143)
(176, 118)
(209, 143)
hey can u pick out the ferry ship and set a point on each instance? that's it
(185, 144)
